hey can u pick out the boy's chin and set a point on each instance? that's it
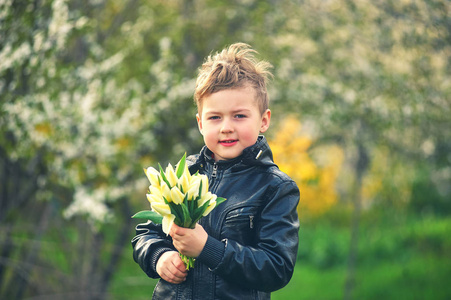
(228, 156)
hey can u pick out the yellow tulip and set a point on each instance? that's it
(194, 179)
(155, 191)
(206, 197)
(193, 190)
(213, 197)
(154, 199)
(161, 208)
(165, 191)
(168, 220)
(210, 207)
(153, 175)
(171, 176)
(176, 195)
(204, 180)
(183, 182)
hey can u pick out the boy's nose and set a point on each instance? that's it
(226, 127)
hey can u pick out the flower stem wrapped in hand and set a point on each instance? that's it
(178, 197)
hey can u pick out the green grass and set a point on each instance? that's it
(310, 283)
(418, 278)
(130, 282)
(403, 257)
(400, 257)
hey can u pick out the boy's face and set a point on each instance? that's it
(230, 121)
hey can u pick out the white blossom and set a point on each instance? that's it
(59, 26)
(89, 203)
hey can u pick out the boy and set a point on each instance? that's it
(246, 247)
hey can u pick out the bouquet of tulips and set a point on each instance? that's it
(178, 197)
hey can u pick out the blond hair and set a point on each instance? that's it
(233, 68)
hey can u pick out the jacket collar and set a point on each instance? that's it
(257, 154)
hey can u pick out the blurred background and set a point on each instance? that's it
(93, 91)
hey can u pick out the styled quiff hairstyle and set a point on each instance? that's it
(233, 68)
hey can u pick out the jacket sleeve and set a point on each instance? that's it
(268, 264)
(148, 245)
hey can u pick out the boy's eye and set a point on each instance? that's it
(213, 118)
(239, 116)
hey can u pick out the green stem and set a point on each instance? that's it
(188, 261)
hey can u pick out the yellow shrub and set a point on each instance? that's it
(315, 178)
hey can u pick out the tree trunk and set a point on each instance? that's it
(21, 277)
(118, 248)
(361, 167)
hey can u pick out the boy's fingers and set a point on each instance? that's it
(180, 266)
(177, 274)
(174, 275)
(172, 278)
(175, 230)
(169, 268)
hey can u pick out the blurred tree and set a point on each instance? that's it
(367, 75)
(93, 91)
(74, 137)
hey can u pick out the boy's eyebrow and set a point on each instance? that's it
(244, 110)
(240, 110)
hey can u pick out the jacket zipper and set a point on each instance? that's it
(215, 170)
(214, 174)
(224, 214)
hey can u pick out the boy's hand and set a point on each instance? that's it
(171, 268)
(189, 242)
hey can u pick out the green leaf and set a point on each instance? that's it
(181, 166)
(199, 211)
(149, 215)
(186, 216)
(219, 200)
(200, 189)
(175, 210)
(178, 222)
(191, 207)
(164, 176)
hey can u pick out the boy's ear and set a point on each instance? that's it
(199, 123)
(266, 120)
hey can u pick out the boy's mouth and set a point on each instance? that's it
(228, 143)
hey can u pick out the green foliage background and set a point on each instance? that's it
(93, 91)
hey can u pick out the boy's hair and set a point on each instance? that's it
(232, 68)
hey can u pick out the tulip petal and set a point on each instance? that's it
(183, 183)
(155, 191)
(171, 176)
(204, 179)
(205, 198)
(153, 175)
(166, 192)
(168, 220)
(210, 207)
(193, 190)
(155, 199)
(161, 208)
(177, 196)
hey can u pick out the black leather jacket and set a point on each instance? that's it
(253, 236)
